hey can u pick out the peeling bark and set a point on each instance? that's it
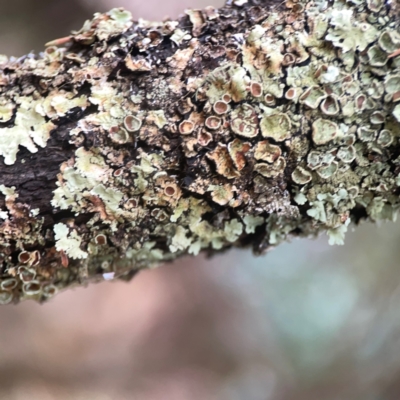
(128, 144)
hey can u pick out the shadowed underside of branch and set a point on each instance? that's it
(127, 144)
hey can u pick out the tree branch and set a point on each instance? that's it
(127, 144)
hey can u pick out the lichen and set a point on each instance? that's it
(276, 126)
(69, 242)
(245, 121)
(30, 129)
(179, 137)
(6, 111)
(348, 33)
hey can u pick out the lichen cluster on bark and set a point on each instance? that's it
(127, 144)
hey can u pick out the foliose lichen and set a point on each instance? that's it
(227, 127)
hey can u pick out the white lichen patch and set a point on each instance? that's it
(104, 95)
(323, 131)
(180, 142)
(105, 26)
(221, 194)
(9, 192)
(266, 151)
(180, 241)
(71, 189)
(68, 241)
(396, 112)
(337, 235)
(110, 196)
(92, 165)
(179, 36)
(233, 229)
(6, 111)
(252, 222)
(158, 118)
(30, 129)
(348, 33)
(58, 104)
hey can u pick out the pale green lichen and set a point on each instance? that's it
(350, 34)
(323, 131)
(179, 240)
(300, 198)
(328, 171)
(105, 26)
(271, 170)
(336, 235)
(149, 179)
(60, 103)
(276, 126)
(233, 229)
(111, 197)
(266, 151)
(119, 136)
(229, 82)
(385, 138)
(389, 41)
(179, 36)
(158, 117)
(312, 97)
(396, 112)
(252, 222)
(91, 164)
(132, 123)
(330, 106)
(377, 57)
(301, 176)
(245, 121)
(29, 128)
(68, 241)
(347, 154)
(221, 194)
(6, 111)
(8, 192)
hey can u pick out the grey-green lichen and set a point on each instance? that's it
(68, 242)
(281, 122)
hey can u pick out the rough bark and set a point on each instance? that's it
(127, 144)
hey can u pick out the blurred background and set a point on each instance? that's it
(307, 321)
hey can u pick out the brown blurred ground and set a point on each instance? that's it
(307, 321)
